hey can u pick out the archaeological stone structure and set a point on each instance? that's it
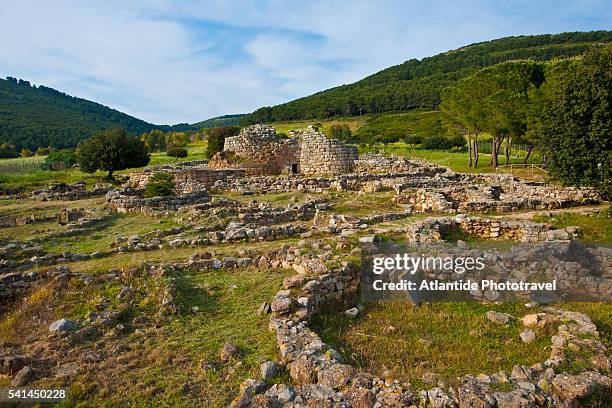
(259, 151)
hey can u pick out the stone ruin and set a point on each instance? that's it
(259, 151)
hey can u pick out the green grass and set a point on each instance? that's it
(456, 161)
(100, 237)
(165, 365)
(595, 228)
(448, 339)
(25, 173)
(354, 123)
(358, 205)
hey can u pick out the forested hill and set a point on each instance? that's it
(417, 84)
(33, 116)
(219, 121)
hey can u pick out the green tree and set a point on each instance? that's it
(494, 100)
(576, 120)
(111, 150)
(341, 132)
(160, 184)
(60, 159)
(216, 139)
(155, 140)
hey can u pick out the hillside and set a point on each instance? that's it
(417, 83)
(32, 116)
(219, 121)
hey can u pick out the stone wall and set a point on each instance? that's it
(187, 179)
(320, 376)
(129, 200)
(435, 229)
(258, 151)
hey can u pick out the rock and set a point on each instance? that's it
(269, 369)
(283, 393)
(281, 305)
(336, 376)
(24, 376)
(12, 364)
(248, 389)
(527, 336)
(370, 239)
(302, 371)
(570, 387)
(438, 399)
(531, 320)
(499, 317)
(228, 351)
(352, 313)
(62, 325)
(264, 308)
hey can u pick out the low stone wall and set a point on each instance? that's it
(188, 179)
(467, 195)
(129, 200)
(434, 229)
(8, 222)
(320, 377)
(377, 163)
(70, 192)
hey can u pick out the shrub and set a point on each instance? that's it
(60, 159)
(458, 141)
(111, 150)
(43, 151)
(437, 143)
(160, 184)
(177, 152)
(216, 139)
(341, 132)
(413, 140)
(25, 152)
(8, 151)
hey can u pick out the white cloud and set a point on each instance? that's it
(169, 62)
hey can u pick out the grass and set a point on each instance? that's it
(100, 237)
(354, 123)
(456, 161)
(167, 365)
(25, 173)
(360, 206)
(447, 339)
(595, 228)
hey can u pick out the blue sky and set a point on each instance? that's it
(185, 61)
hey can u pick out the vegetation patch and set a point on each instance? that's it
(440, 340)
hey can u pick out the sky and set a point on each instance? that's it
(171, 62)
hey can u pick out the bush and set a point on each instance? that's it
(43, 151)
(8, 151)
(341, 132)
(111, 150)
(437, 143)
(60, 159)
(160, 184)
(458, 141)
(413, 140)
(26, 152)
(216, 139)
(177, 152)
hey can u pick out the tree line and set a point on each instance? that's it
(563, 106)
(418, 83)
